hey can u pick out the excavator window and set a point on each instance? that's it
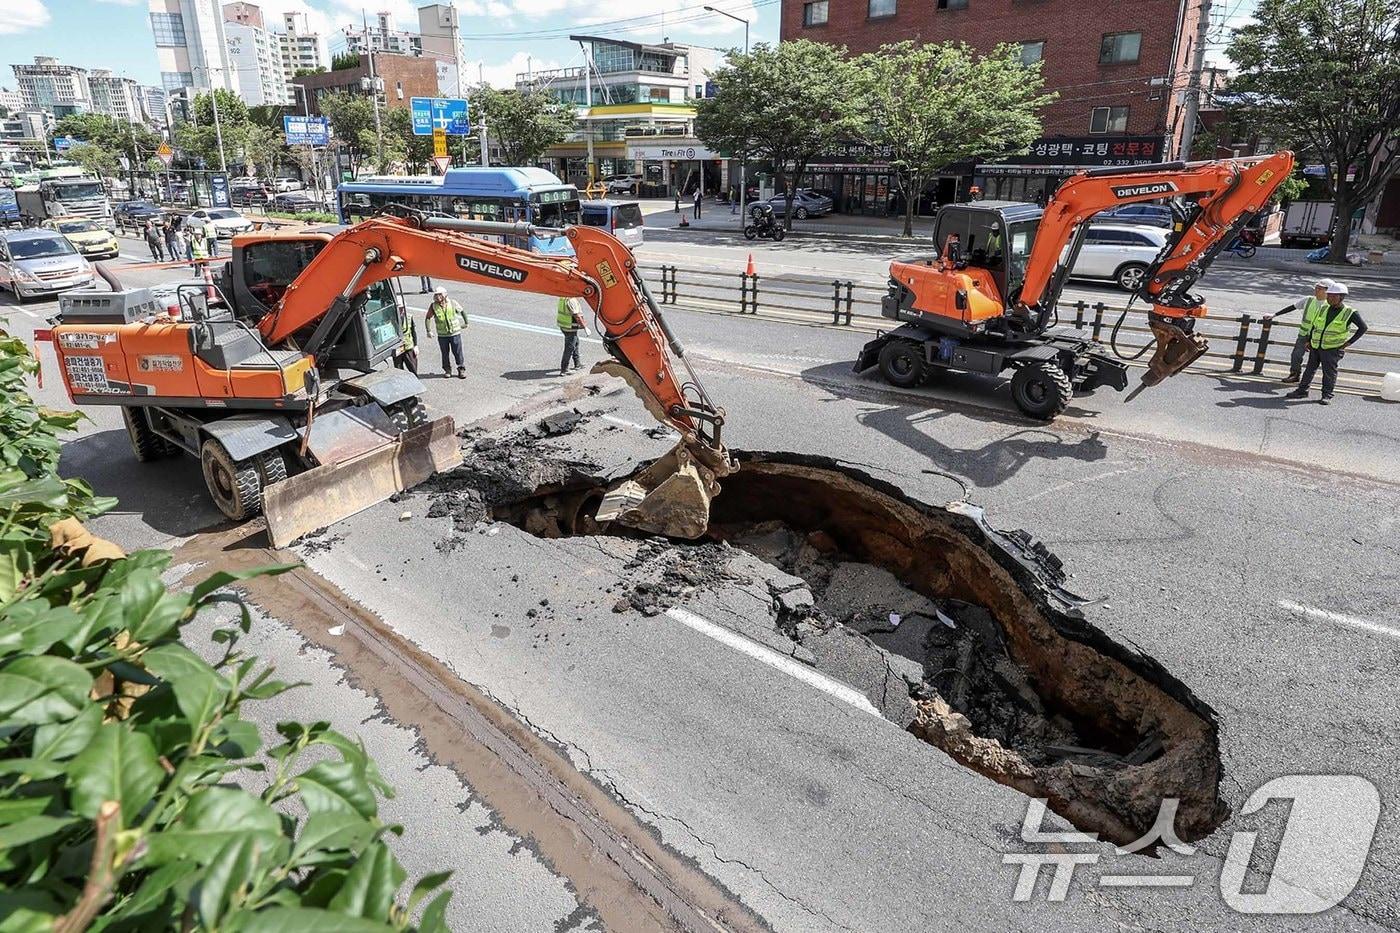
(272, 265)
(1021, 239)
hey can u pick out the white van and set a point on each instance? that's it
(623, 219)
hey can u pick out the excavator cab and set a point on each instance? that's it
(993, 235)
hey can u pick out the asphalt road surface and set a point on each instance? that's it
(1245, 543)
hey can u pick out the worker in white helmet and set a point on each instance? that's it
(1338, 327)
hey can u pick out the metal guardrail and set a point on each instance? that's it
(817, 301)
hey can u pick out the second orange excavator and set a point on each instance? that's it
(275, 375)
(986, 302)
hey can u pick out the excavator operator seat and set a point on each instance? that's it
(994, 235)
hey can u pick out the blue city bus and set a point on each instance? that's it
(533, 195)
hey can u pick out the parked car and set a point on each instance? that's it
(134, 213)
(804, 204)
(624, 184)
(1152, 215)
(226, 221)
(253, 195)
(623, 219)
(9, 207)
(38, 262)
(87, 236)
(295, 202)
(285, 184)
(1118, 252)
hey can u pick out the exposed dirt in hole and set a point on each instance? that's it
(1003, 673)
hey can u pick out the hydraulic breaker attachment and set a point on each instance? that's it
(1177, 348)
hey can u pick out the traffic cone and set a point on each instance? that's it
(750, 269)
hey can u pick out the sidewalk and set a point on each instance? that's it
(660, 214)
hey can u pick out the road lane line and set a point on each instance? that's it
(1323, 615)
(781, 662)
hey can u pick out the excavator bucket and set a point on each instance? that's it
(1176, 349)
(671, 497)
(355, 475)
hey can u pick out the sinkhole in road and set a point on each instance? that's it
(1008, 678)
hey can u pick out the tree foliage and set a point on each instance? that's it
(1324, 75)
(523, 123)
(106, 140)
(933, 105)
(785, 104)
(125, 757)
(350, 116)
(232, 110)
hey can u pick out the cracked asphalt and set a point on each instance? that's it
(1250, 548)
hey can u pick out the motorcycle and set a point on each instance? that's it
(765, 225)
(1246, 244)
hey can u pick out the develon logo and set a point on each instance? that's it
(1137, 191)
(492, 270)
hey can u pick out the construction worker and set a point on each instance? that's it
(569, 317)
(446, 321)
(407, 357)
(198, 250)
(172, 240)
(1311, 308)
(1328, 340)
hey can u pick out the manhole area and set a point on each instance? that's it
(992, 669)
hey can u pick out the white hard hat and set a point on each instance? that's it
(1336, 288)
(1323, 283)
(439, 291)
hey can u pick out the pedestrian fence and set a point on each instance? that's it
(1248, 345)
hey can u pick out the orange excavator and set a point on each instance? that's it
(276, 375)
(987, 302)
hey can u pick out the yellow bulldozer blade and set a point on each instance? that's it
(328, 493)
(671, 497)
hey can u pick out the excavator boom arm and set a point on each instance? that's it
(603, 275)
(1226, 193)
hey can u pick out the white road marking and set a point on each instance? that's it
(28, 312)
(766, 655)
(1324, 615)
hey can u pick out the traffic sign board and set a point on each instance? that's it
(439, 143)
(441, 163)
(306, 131)
(448, 114)
(165, 154)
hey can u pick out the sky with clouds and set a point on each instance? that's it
(500, 37)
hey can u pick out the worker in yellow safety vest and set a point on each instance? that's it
(446, 321)
(1335, 329)
(407, 357)
(568, 315)
(1311, 307)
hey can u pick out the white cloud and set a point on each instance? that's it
(23, 15)
(124, 2)
(672, 18)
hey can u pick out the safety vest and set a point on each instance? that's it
(406, 330)
(1312, 308)
(564, 315)
(1329, 335)
(197, 249)
(449, 317)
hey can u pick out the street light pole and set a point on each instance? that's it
(743, 156)
(218, 130)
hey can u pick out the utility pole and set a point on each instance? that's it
(374, 94)
(485, 149)
(588, 105)
(457, 68)
(1193, 88)
(743, 156)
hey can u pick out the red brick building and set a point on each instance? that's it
(1118, 67)
(403, 77)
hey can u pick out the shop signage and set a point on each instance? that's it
(660, 152)
(1091, 150)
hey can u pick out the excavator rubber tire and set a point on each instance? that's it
(409, 413)
(272, 467)
(1041, 390)
(902, 364)
(234, 485)
(146, 444)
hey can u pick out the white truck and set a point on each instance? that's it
(66, 197)
(1307, 223)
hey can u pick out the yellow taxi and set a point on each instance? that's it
(87, 236)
